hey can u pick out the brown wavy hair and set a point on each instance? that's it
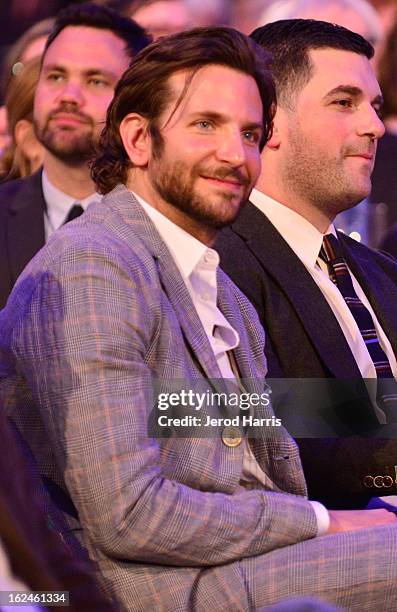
(19, 104)
(144, 89)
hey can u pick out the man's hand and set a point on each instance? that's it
(350, 520)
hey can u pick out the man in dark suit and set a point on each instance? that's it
(318, 163)
(87, 52)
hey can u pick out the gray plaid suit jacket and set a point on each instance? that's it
(98, 313)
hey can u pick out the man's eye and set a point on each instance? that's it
(251, 136)
(204, 125)
(344, 103)
(98, 82)
(55, 77)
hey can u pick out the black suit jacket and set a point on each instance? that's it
(22, 208)
(30, 532)
(304, 340)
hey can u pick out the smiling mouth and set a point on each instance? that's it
(368, 155)
(224, 182)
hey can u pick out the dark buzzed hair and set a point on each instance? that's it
(290, 40)
(92, 15)
(144, 89)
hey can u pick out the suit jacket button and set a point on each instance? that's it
(231, 436)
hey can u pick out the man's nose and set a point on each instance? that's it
(371, 124)
(72, 93)
(231, 148)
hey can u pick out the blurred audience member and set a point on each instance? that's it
(29, 45)
(161, 17)
(33, 554)
(164, 17)
(24, 155)
(356, 15)
(246, 14)
(384, 183)
(387, 12)
(4, 134)
(17, 16)
(86, 54)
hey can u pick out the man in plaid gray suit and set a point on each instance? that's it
(130, 293)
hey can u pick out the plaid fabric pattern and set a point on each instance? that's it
(97, 313)
(331, 253)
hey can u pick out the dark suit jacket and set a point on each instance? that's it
(304, 340)
(37, 553)
(22, 208)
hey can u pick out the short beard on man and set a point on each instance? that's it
(70, 145)
(174, 182)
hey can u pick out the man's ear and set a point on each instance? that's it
(281, 122)
(274, 140)
(136, 139)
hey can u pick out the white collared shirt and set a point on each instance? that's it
(59, 204)
(306, 240)
(198, 265)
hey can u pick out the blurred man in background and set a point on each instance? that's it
(86, 54)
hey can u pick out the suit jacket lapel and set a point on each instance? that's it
(278, 259)
(171, 280)
(188, 318)
(229, 307)
(277, 454)
(25, 227)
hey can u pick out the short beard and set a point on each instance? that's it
(73, 151)
(170, 184)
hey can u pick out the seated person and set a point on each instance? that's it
(127, 301)
(24, 154)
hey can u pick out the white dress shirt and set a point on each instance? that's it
(59, 204)
(198, 266)
(306, 240)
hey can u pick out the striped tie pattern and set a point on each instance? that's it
(331, 253)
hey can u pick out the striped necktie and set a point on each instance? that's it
(331, 253)
(74, 212)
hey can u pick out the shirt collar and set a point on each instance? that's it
(198, 266)
(59, 203)
(186, 250)
(303, 238)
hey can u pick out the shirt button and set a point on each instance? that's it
(231, 437)
(209, 257)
